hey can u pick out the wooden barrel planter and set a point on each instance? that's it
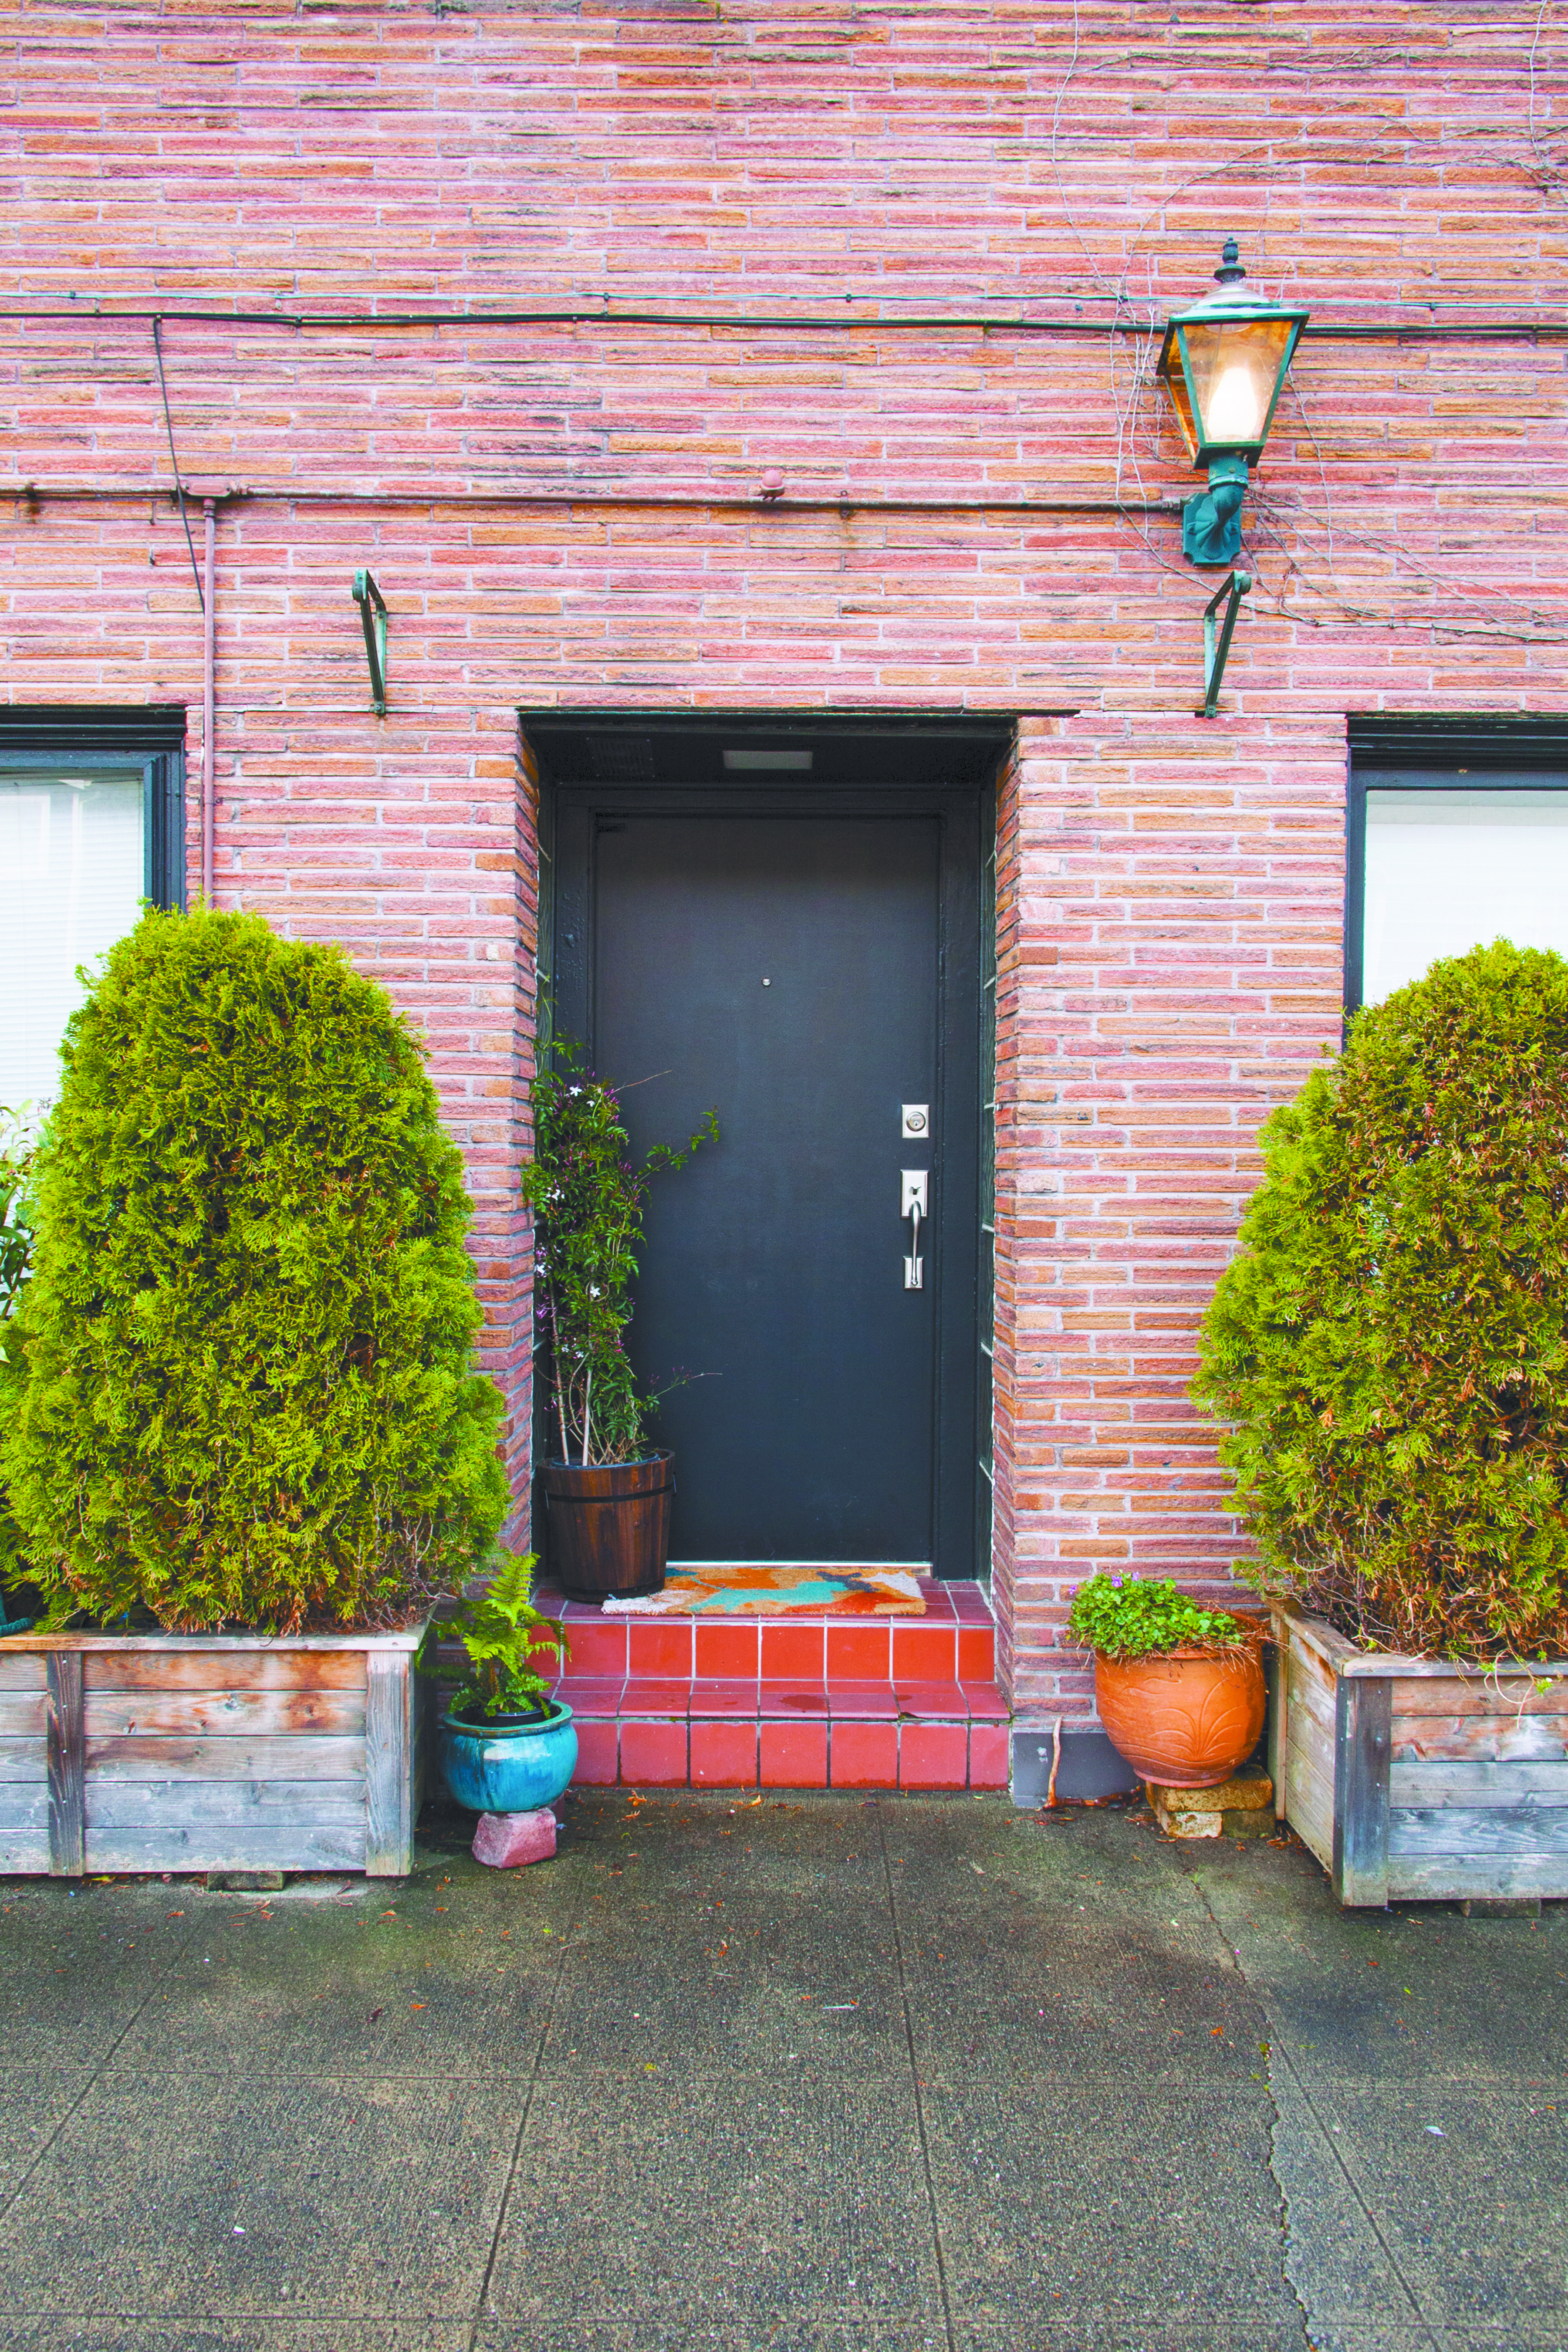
(609, 1526)
(1416, 1780)
(210, 1751)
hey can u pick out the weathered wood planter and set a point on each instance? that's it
(209, 1752)
(1412, 1779)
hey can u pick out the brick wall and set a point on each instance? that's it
(567, 513)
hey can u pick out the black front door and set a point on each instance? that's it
(809, 972)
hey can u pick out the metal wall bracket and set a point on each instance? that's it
(1218, 635)
(1211, 520)
(373, 618)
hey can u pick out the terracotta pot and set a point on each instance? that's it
(1186, 1719)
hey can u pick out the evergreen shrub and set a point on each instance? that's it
(1390, 1349)
(238, 1383)
(16, 1157)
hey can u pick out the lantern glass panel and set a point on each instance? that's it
(1235, 365)
(1177, 381)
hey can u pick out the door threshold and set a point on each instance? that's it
(826, 1567)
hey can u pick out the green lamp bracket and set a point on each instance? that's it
(1217, 635)
(373, 618)
(1211, 522)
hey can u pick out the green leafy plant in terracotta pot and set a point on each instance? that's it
(1180, 1687)
(609, 1494)
(507, 1745)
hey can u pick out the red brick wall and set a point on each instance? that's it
(567, 514)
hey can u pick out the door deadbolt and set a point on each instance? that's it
(915, 1119)
(913, 1203)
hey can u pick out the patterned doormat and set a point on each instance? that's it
(752, 1589)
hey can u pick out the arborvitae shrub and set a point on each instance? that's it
(239, 1382)
(1391, 1347)
(16, 1255)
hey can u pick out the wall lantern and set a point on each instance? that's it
(1225, 361)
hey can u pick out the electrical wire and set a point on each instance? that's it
(173, 460)
(1552, 330)
(844, 505)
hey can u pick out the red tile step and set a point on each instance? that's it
(796, 1703)
(953, 1642)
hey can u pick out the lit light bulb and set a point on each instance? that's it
(1235, 413)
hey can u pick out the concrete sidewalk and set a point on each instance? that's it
(812, 2072)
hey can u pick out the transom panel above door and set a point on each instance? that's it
(806, 963)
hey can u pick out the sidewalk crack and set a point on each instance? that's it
(1278, 2055)
(915, 2080)
(481, 2307)
(95, 2077)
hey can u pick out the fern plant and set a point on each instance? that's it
(503, 1633)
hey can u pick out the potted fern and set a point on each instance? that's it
(507, 1746)
(609, 1494)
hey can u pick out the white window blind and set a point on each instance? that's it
(1448, 871)
(71, 881)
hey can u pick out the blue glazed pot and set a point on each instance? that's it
(513, 1770)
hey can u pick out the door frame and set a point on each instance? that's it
(938, 770)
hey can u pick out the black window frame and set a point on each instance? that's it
(150, 742)
(1425, 755)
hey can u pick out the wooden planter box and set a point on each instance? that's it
(1412, 1779)
(209, 1751)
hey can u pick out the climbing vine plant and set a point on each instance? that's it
(588, 1201)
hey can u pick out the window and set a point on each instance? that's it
(1450, 853)
(91, 822)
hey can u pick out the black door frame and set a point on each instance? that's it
(940, 769)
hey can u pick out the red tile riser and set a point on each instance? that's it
(990, 1755)
(934, 1755)
(795, 1755)
(654, 1754)
(727, 1652)
(859, 1652)
(659, 1646)
(724, 1755)
(865, 1755)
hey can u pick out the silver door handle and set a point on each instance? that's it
(914, 1203)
